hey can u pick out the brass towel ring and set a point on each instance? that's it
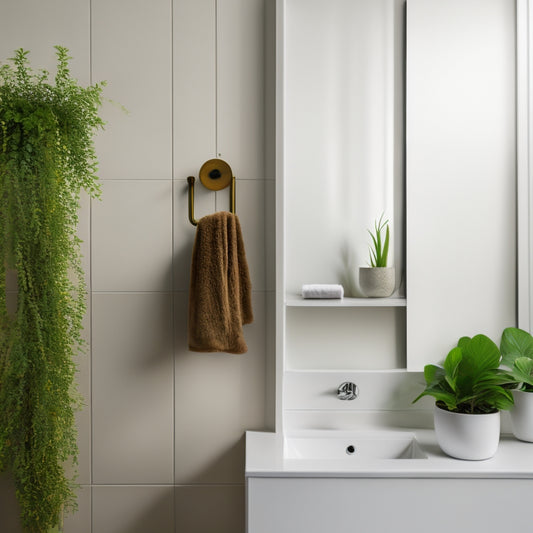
(215, 175)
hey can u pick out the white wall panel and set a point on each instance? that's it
(135, 509)
(524, 156)
(345, 338)
(132, 236)
(131, 50)
(195, 79)
(240, 86)
(132, 389)
(38, 26)
(225, 504)
(386, 390)
(461, 150)
(80, 521)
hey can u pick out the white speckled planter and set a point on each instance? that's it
(377, 282)
(522, 415)
(464, 436)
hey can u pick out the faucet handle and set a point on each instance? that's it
(347, 391)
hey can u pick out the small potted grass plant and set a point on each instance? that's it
(469, 389)
(517, 354)
(378, 280)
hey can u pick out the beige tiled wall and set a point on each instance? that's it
(162, 434)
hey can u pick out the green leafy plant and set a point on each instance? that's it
(516, 347)
(470, 380)
(380, 245)
(46, 158)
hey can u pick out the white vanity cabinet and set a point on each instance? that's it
(379, 505)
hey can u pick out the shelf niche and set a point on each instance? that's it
(343, 137)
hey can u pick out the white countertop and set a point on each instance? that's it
(264, 458)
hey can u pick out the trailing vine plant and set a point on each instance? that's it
(47, 157)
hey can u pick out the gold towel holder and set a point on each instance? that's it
(215, 175)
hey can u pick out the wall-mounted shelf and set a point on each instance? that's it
(297, 301)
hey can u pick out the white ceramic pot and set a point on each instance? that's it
(377, 282)
(522, 415)
(464, 436)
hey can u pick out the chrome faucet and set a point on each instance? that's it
(347, 391)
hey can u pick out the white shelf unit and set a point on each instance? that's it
(335, 173)
(340, 165)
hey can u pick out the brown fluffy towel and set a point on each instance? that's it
(220, 295)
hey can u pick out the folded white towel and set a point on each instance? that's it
(322, 291)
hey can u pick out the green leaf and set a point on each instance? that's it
(515, 343)
(385, 248)
(377, 243)
(374, 253)
(433, 374)
(436, 385)
(522, 370)
(479, 354)
(463, 341)
(446, 397)
(451, 366)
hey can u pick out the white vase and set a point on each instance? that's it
(377, 282)
(522, 415)
(465, 436)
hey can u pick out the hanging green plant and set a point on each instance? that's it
(46, 158)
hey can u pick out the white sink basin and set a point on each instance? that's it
(352, 445)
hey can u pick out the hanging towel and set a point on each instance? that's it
(220, 295)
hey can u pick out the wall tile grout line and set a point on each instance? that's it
(168, 291)
(216, 93)
(175, 485)
(216, 80)
(151, 180)
(172, 276)
(90, 298)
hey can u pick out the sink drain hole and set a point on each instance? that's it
(350, 450)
